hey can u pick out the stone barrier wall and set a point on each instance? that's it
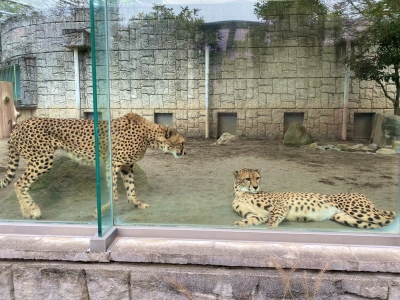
(64, 267)
(117, 281)
(258, 71)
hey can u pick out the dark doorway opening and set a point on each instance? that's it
(227, 122)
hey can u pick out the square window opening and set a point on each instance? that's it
(227, 123)
(165, 119)
(362, 125)
(290, 118)
(90, 115)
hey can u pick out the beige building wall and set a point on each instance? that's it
(260, 71)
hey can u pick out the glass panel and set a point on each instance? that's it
(267, 60)
(48, 42)
(256, 61)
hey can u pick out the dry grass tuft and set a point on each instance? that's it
(318, 280)
(179, 287)
(286, 276)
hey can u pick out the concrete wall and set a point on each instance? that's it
(259, 71)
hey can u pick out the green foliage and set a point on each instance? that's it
(270, 8)
(187, 21)
(378, 54)
(267, 9)
(9, 8)
(310, 13)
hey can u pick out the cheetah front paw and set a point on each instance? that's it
(242, 223)
(142, 205)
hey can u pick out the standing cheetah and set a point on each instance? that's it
(37, 139)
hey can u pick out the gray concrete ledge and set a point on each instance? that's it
(257, 254)
(60, 267)
(205, 252)
(49, 248)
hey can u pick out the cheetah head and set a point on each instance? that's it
(247, 180)
(171, 141)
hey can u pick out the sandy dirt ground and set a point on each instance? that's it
(197, 189)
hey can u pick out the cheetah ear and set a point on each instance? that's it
(258, 171)
(130, 116)
(235, 173)
(170, 132)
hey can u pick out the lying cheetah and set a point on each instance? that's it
(37, 139)
(257, 207)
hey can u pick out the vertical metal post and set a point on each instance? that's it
(207, 85)
(15, 82)
(346, 93)
(77, 86)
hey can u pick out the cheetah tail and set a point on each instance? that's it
(13, 161)
(387, 213)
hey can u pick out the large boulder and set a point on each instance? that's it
(296, 135)
(385, 129)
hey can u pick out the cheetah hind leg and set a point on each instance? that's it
(129, 183)
(348, 220)
(29, 209)
(107, 206)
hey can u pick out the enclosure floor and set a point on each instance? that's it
(197, 190)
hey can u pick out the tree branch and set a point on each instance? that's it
(355, 7)
(385, 91)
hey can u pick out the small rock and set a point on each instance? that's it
(328, 147)
(225, 138)
(343, 147)
(396, 146)
(385, 151)
(373, 146)
(313, 145)
(364, 149)
(356, 147)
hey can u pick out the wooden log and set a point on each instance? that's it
(8, 113)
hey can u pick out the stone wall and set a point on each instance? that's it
(55, 280)
(37, 44)
(259, 71)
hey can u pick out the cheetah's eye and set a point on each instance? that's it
(258, 178)
(248, 179)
